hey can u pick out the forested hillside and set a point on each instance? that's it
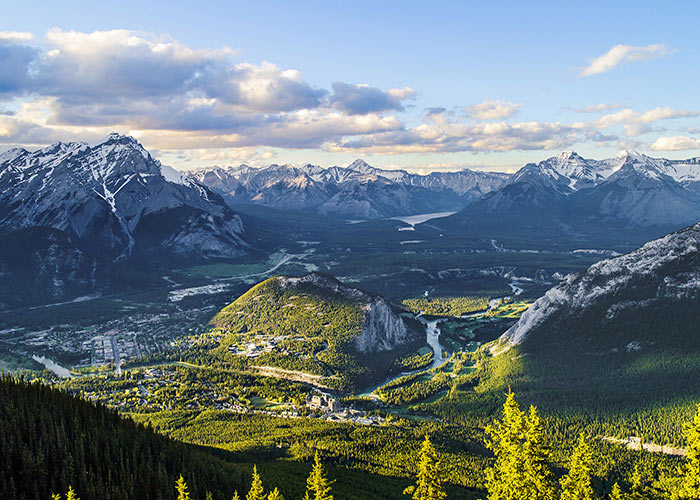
(50, 439)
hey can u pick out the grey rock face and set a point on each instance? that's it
(383, 331)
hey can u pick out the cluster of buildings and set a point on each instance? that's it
(326, 407)
(260, 345)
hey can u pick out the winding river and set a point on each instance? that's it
(432, 337)
(432, 334)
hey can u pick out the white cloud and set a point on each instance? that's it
(621, 54)
(493, 110)
(676, 143)
(634, 122)
(442, 133)
(15, 36)
(597, 108)
(175, 98)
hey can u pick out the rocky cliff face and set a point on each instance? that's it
(383, 329)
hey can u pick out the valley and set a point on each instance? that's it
(338, 334)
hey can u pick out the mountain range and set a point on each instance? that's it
(564, 196)
(72, 214)
(358, 190)
(628, 199)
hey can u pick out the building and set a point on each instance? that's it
(322, 402)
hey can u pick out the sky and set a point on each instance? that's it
(423, 86)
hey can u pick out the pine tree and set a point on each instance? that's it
(317, 484)
(55, 496)
(428, 485)
(616, 493)
(235, 496)
(505, 480)
(208, 496)
(690, 487)
(256, 488)
(539, 480)
(275, 495)
(181, 488)
(639, 489)
(576, 485)
(71, 495)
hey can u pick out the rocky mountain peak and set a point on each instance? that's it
(361, 166)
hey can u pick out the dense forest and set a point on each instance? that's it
(53, 442)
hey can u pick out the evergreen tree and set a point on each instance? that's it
(208, 496)
(181, 488)
(71, 495)
(576, 485)
(55, 496)
(275, 495)
(235, 496)
(428, 485)
(690, 486)
(317, 484)
(539, 480)
(639, 490)
(505, 480)
(616, 493)
(256, 488)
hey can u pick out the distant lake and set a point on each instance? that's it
(420, 218)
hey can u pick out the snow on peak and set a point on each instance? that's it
(172, 175)
(115, 137)
(360, 165)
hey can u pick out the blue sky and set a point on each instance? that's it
(420, 85)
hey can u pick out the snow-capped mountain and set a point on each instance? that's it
(115, 201)
(358, 190)
(658, 275)
(631, 188)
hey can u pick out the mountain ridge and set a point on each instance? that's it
(100, 194)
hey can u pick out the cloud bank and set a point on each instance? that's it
(80, 86)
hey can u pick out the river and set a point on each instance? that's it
(432, 337)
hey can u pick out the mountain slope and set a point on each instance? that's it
(103, 196)
(52, 439)
(40, 265)
(618, 340)
(316, 325)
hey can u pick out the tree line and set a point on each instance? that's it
(523, 466)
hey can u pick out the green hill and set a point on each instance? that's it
(334, 334)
